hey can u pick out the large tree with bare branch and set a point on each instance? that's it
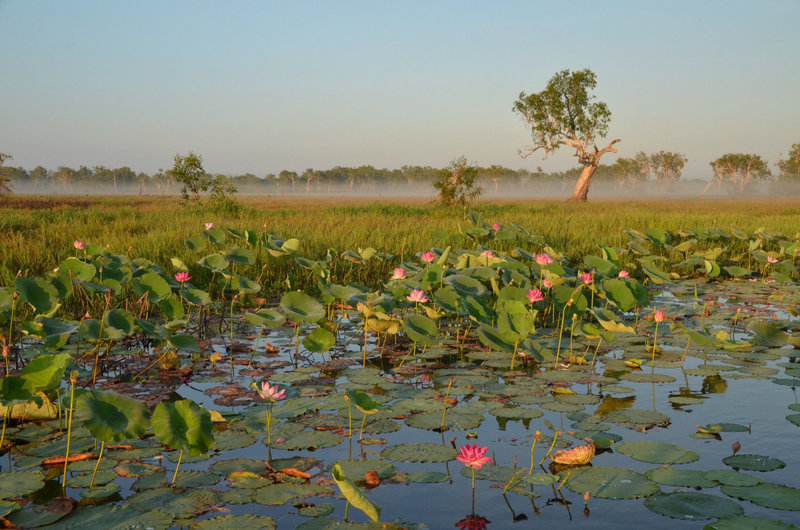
(565, 114)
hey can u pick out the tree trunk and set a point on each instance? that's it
(581, 190)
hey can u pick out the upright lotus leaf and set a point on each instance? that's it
(514, 321)
(364, 403)
(320, 340)
(511, 292)
(270, 318)
(495, 339)
(610, 321)
(171, 307)
(215, 235)
(75, 268)
(768, 335)
(54, 331)
(184, 342)
(215, 262)
(301, 307)
(590, 330)
(45, 372)
(112, 417)
(183, 425)
(639, 292)
(179, 264)
(195, 296)
(658, 236)
(119, 320)
(153, 284)
(15, 390)
(448, 299)
(39, 293)
(354, 495)
(618, 293)
(467, 286)
(244, 285)
(240, 256)
(604, 267)
(195, 243)
(431, 276)
(562, 294)
(420, 329)
(655, 274)
(478, 310)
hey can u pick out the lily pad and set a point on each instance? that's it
(283, 493)
(235, 522)
(177, 505)
(731, 478)
(767, 494)
(420, 452)
(20, 483)
(101, 492)
(691, 505)
(743, 522)
(114, 517)
(224, 467)
(611, 483)
(426, 477)
(42, 514)
(490, 472)
(684, 478)
(750, 462)
(657, 452)
(454, 420)
(306, 440)
(83, 480)
(317, 510)
(356, 469)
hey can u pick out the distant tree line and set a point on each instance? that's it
(642, 173)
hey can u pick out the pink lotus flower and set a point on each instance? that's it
(417, 296)
(770, 280)
(772, 260)
(495, 226)
(586, 278)
(427, 257)
(623, 274)
(543, 259)
(80, 245)
(271, 393)
(547, 283)
(473, 522)
(209, 226)
(473, 457)
(659, 316)
(534, 295)
(182, 277)
(487, 253)
(399, 273)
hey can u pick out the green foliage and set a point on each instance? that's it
(457, 184)
(790, 168)
(738, 170)
(188, 171)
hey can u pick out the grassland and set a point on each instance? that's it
(37, 232)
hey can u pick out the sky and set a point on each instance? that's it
(259, 87)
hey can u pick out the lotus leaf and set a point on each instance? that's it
(420, 329)
(112, 417)
(743, 522)
(685, 478)
(183, 425)
(426, 477)
(751, 462)
(357, 469)
(113, 517)
(306, 440)
(235, 522)
(611, 483)
(320, 340)
(20, 483)
(419, 452)
(692, 506)
(301, 307)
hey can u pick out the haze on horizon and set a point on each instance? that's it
(260, 87)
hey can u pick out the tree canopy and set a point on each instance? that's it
(738, 169)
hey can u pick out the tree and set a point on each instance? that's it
(458, 183)
(739, 169)
(628, 172)
(565, 113)
(790, 168)
(667, 167)
(4, 180)
(189, 173)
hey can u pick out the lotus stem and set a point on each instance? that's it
(72, 378)
(269, 424)
(596, 349)
(5, 419)
(655, 339)
(533, 446)
(552, 444)
(446, 396)
(233, 299)
(560, 331)
(569, 472)
(255, 345)
(685, 351)
(363, 420)
(514, 354)
(97, 464)
(364, 363)
(349, 418)
(508, 484)
(180, 457)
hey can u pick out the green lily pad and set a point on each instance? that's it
(743, 522)
(282, 493)
(225, 467)
(230, 439)
(420, 452)
(183, 425)
(82, 480)
(490, 472)
(191, 478)
(20, 483)
(644, 377)
(114, 517)
(247, 480)
(731, 478)
(317, 510)
(237, 496)
(691, 505)
(35, 515)
(427, 477)
(685, 400)
(101, 492)
(767, 494)
(637, 418)
(753, 462)
(657, 452)
(794, 418)
(684, 478)
(454, 420)
(611, 483)
(148, 482)
(178, 505)
(516, 413)
(136, 469)
(235, 522)
(306, 440)
(357, 469)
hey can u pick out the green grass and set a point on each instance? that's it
(36, 233)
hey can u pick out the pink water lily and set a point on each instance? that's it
(399, 273)
(534, 295)
(472, 456)
(659, 316)
(417, 296)
(623, 274)
(80, 245)
(543, 259)
(271, 393)
(586, 278)
(772, 260)
(427, 257)
(487, 253)
(209, 226)
(182, 277)
(547, 284)
(495, 226)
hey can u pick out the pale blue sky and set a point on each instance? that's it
(264, 86)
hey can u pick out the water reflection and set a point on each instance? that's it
(473, 522)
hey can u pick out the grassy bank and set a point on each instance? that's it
(36, 233)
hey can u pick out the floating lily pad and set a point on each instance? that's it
(235, 522)
(192, 478)
(731, 478)
(176, 504)
(247, 480)
(657, 452)
(617, 389)
(355, 470)
(561, 407)
(753, 462)
(283, 493)
(136, 469)
(490, 472)
(685, 400)
(317, 510)
(743, 522)
(611, 483)
(691, 505)
(454, 420)
(35, 515)
(637, 419)
(684, 478)
(114, 517)
(421, 452)
(643, 377)
(306, 440)
(224, 467)
(516, 413)
(82, 480)
(794, 418)
(767, 494)
(426, 477)
(237, 496)
(101, 492)
(20, 483)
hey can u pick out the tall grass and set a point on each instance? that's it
(36, 233)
